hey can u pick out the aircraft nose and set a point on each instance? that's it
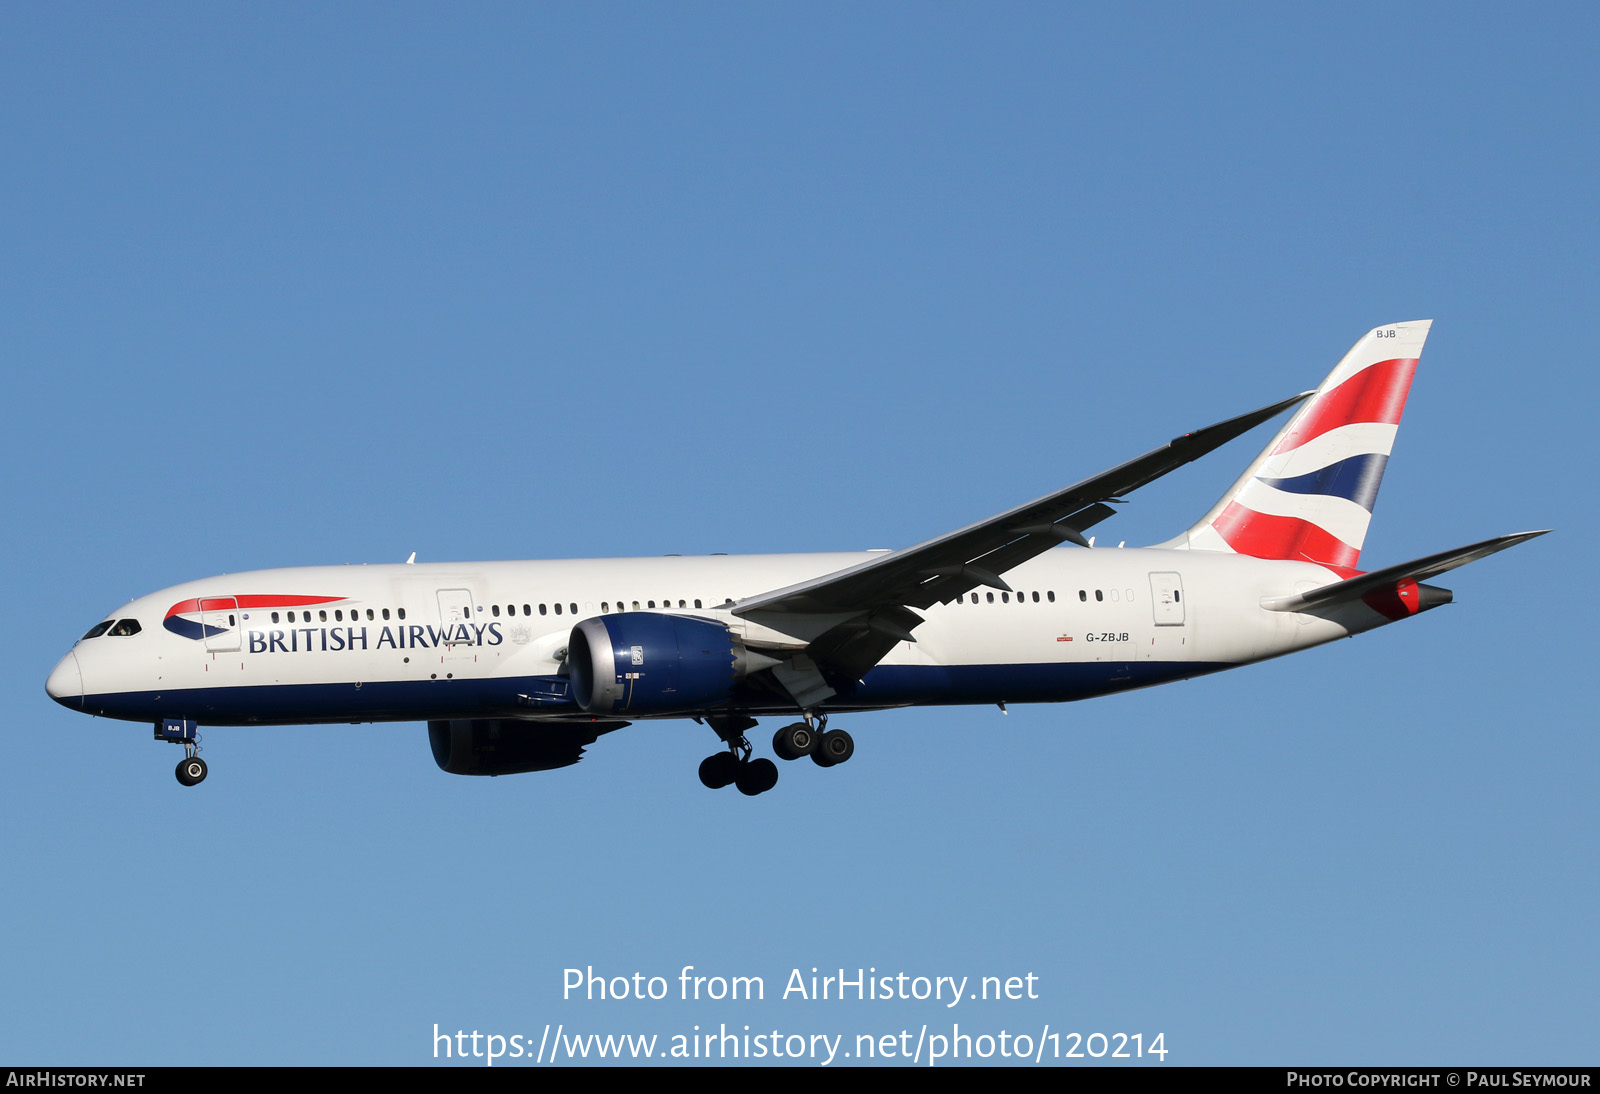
(66, 682)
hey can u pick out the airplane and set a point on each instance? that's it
(520, 666)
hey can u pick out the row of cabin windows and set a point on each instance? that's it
(572, 609)
(1005, 598)
(976, 598)
(1022, 598)
(1101, 594)
(130, 626)
(338, 615)
(125, 628)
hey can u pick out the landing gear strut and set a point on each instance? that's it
(735, 766)
(184, 731)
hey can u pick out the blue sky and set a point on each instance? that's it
(301, 285)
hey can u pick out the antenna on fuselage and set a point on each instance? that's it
(412, 559)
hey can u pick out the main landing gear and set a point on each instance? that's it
(735, 766)
(826, 747)
(752, 777)
(184, 731)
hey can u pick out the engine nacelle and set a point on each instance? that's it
(647, 663)
(505, 746)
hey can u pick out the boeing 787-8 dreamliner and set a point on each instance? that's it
(518, 666)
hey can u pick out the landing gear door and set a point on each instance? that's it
(455, 609)
(1166, 598)
(219, 619)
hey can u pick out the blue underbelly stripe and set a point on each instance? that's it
(420, 700)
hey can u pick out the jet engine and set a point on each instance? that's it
(504, 746)
(636, 663)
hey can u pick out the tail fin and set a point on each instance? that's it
(1309, 495)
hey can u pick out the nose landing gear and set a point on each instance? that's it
(184, 731)
(191, 770)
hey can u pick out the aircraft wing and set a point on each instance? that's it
(876, 597)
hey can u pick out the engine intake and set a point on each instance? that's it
(651, 663)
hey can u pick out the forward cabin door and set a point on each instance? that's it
(219, 618)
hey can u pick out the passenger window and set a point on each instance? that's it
(369, 613)
(652, 603)
(511, 609)
(697, 603)
(494, 610)
(1051, 596)
(990, 596)
(574, 608)
(274, 617)
(1036, 598)
(322, 616)
(527, 609)
(542, 610)
(1082, 595)
(386, 613)
(401, 612)
(558, 609)
(97, 630)
(1098, 595)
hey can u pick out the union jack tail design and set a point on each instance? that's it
(1309, 495)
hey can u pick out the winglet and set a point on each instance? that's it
(1191, 446)
(1215, 436)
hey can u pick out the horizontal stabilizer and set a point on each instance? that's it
(1392, 578)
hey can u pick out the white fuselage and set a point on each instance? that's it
(474, 640)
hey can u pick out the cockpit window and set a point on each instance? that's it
(125, 628)
(97, 630)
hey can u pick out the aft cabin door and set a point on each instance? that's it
(1168, 640)
(1166, 599)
